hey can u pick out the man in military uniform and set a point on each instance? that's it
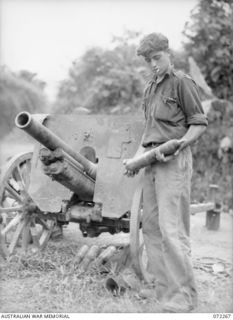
(172, 111)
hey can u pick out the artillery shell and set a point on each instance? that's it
(92, 253)
(81, 254)
(105, 255)
(90, 256)
(115, 286)
(149, 157)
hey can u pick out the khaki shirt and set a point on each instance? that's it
(170, 107)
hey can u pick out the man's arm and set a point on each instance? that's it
(193, 133)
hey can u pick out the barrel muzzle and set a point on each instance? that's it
(23, 119)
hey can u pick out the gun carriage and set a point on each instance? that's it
(75, 174)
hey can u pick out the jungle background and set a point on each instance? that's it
(112, 81)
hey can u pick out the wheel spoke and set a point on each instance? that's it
(11, 209)
(43, 223)
(3, 247)
(4, 218)
(13, 193)
(46, 235)
(35, 236)
(18, 176)
(26, 237)
(11, 224)
(8, 202)
(16, 236)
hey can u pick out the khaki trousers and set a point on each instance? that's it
(166, 227)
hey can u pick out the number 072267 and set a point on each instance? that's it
(222, 315)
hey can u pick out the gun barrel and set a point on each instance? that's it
(25, 121)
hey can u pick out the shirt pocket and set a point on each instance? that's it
(168, 109)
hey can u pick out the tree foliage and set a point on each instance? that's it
(108, 80)
(104, 80)
(210, 35)
(18, 93)
(32, 78)
(208, 167)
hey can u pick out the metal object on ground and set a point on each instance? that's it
(201, 207)
(115, 286)
(105, 255)
(213, 219)
(81, 254)
(89, 257)
(126, 279)
(213, 215)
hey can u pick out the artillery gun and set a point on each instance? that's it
(75, 174)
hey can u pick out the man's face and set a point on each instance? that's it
(159, 62)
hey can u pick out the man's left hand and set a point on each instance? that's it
(161, 157)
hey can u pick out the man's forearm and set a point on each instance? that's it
(193, 133)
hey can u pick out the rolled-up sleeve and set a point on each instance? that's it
(191, 103)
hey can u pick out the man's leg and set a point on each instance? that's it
(173, 180)
(151, 232)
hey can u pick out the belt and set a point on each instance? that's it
(151, 145)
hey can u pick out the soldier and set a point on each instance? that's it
(172, 110)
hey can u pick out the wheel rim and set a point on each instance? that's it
(137, 247)
(22, 222)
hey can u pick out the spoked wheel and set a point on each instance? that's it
(137, 247)
(22, 223)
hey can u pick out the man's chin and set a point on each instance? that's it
(161, 74)
(156, 73)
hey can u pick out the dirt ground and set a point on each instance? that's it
(212, 259)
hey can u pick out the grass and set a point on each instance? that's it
(50, 280)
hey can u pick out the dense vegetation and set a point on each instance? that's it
(209, 41)
(21, 91)
(105, 80)
(108, 80)
(208, 167)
